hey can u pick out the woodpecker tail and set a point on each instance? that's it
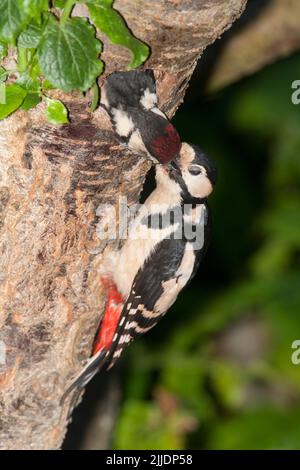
(104, 338)
(94, 364)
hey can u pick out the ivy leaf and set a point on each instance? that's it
(60, 3)
(3, 50)
(47, 85)
(16, 13)
(56, 112)
(35, 70)
(34, 8)
(95, 96)
(31, 36)
(68, 54)
(12, 20)
(30, 101)
(14, 97)
(111, 23)
(28, 83)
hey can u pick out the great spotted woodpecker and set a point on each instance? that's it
(165, 244)
(131, 101)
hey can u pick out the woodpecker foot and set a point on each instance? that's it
(113, 309)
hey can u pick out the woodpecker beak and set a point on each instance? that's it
(174, 166)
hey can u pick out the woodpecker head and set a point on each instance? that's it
(194, 172)
(131, 101)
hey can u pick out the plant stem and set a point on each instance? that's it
(22, 59)
(67, 11)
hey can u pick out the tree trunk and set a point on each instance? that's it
(52, 181)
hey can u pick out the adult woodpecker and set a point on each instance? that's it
(166, 242)
(131, 101)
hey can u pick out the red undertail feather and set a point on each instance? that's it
(113, 309)
(167, 145)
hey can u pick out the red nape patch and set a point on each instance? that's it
(113, 309)
(167, 145)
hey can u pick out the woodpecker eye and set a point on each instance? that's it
(195, 170)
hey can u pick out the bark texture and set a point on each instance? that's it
(52, 180)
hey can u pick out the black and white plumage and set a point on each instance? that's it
(165, 244)
(173, 232)
(130, 99)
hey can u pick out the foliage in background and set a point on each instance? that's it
(57, 51)
(217, 372)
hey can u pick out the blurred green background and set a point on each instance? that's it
(217, 371)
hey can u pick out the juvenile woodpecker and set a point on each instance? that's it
(166, 242)
(131, 101)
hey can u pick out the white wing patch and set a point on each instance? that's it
(148, 100)
(136, 143)
(124, 124)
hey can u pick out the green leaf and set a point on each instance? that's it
(34, 8)
(12, 20)
(35, 69)
(60, 3)
(47, 85)
(14, 97)
(28, 83)
(95, 96)
(30, 101)
(56, 112)
(3, 50)
(68, 54)
(31, 37)
(111, 23)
